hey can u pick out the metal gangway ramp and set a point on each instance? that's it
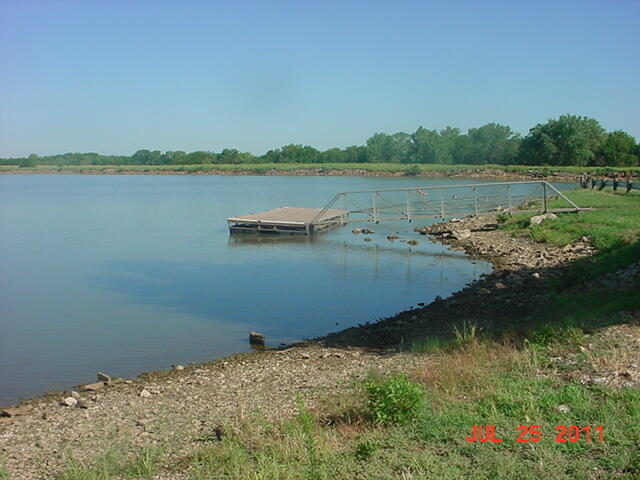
(444, 201)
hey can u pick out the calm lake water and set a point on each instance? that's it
(125, 274)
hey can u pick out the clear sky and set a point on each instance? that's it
(115, 76)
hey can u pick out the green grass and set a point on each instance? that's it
(482, 383)
(141, 463)
(615, 223)
(613, 229)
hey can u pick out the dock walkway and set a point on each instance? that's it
(392, 204)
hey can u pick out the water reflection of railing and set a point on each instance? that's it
(396, 251)
(454, 262)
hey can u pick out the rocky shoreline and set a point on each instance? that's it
(479, 173)
(177, 407)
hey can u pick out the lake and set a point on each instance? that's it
(125, 274)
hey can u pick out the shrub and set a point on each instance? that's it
(413, 170)
(394, 400)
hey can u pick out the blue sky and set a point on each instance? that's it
(116, 76)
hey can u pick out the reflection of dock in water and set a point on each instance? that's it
(410, 257)
(397, 251)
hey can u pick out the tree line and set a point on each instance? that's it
(567, 140)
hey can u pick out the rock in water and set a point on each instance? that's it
(256, 338)
(540, 219)
(103, 377)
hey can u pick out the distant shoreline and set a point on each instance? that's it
(364, 170)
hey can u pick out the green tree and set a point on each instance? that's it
(425, 145)
(356, 154)
(569, 140)
(618, 150)
(233, 156)
(491, 143)
(384, 148)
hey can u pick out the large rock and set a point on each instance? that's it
(540, 219)
(14, 411)
(69, 402)
(462, 234)
(256, 338)
(103, 377)
(92, 387)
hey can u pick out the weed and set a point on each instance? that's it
(466, 335)
(431, 345)
(364, 450)
(306, 421)
(547, 335)
(395, 400)
(144, 463)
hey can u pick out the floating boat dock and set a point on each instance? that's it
(435, 202)
(288, 220)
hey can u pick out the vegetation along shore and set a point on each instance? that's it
(567, 141)
(548, 340)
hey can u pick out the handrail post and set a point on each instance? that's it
(375, 212)
(475, 192)
(544, 196)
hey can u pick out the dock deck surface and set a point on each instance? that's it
(289, 219)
